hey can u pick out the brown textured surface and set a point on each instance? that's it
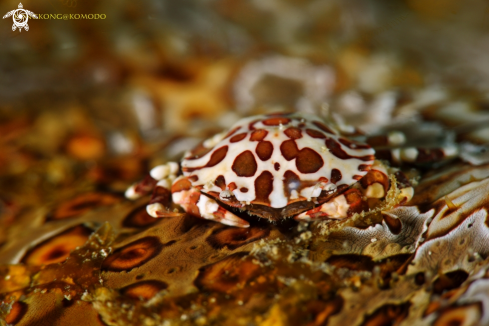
(205, 270)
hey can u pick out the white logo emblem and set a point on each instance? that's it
(20, 17)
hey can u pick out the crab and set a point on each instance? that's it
(274, 166)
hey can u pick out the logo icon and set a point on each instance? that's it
(20, 17)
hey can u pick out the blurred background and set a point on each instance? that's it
(94, 103)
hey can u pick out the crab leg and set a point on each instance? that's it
(196, 203)
(140, 188)
(338, 208)
(159, 181)
(160, 200)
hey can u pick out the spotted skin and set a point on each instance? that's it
(269, 165)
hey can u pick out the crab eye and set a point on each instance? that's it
(294, 185)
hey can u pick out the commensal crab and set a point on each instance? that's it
(274, 166)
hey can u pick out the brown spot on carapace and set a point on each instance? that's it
(232, 186)
(232, 132)
(449, 281)
(335, 176)
(315, 134)
(276, 166)
(181, 185)
(198, 151)
(193, 178)
(258, 135)
(233, 238)
(308, 161)
(217, 156)
(251, 126)
(144, 290)
(364, 167)
(276, 121)
(293, 182)
(134, 254)
(81, 204)
(220, 182)
(264, 150)
(293, 133)
(138, 218)
(16, 313)
(337, 151)
(353, 145)
(289, 149)
(58, 247)
(243, 189)
(388, 314)
(244, 164)
(230, 274)
(238, 137)
(263, 187)
(323, 127)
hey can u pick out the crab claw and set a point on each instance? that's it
(160, 200)
(141, 188)
(210, 210)
(336, 208)
(196, 203)
(157, 210)
(339, 207)
(159, 182)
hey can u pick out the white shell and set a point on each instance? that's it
(353, 164)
